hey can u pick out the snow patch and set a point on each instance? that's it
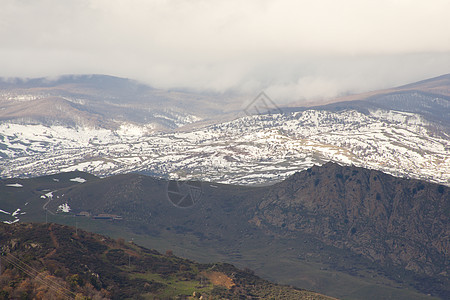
(78, 179)
(64, 208)
(48, 195)
(17, 185)
(14, 214)
(11, 222)
(132, 130)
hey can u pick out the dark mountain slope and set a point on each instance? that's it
(330, 219)
(399, 223)
(98, 87)
(387, 219)
(44, 261)
(221, 211)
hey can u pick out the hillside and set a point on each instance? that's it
(256, 149)
(44, 261)
(343, 231)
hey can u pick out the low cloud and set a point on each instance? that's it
(295, 50)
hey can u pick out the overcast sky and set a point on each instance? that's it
(291, 49)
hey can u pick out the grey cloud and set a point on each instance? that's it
(291, 49)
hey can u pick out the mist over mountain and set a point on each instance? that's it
(429, 98)
(119, 99)
(103, 101)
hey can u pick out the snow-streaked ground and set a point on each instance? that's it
(250, 150)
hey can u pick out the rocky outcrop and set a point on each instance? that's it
(391, 220)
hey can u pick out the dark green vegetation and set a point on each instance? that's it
(50, 261)
(343, 231)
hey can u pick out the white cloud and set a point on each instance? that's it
(293, 49)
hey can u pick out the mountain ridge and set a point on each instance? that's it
(92, 89)
(438, 84)
(117, 99)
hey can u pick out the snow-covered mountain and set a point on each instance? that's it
(107, 125)
(250, 150)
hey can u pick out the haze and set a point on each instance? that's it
(294, 50)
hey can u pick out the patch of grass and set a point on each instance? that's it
(175, 286)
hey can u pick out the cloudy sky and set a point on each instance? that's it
(299, 49)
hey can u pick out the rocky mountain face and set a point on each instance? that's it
(387, 219)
